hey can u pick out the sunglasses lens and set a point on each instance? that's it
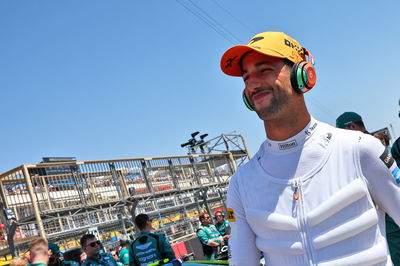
(95, 243)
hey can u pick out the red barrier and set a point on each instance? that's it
(179, 249)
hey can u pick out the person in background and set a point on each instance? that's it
(19, 261)
(384, 139)
(351, 121)
(222, 226)
(55, 255)
(39, 252)
(149, 247)
(91, 246)
(209, 236)
(123, 256)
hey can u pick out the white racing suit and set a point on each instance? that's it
(318, 198)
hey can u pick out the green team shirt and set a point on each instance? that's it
(206, 233)
(104, 260)
(149, 248)
(70, 263)
(124, 256)
(223, 228)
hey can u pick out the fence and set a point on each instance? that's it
(61, 201)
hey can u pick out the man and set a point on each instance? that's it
(353, 121)
(123, 257)
(149, 247)
(39, 252)
(55, 255)
(209, 236)
(91, 246)
(312, 194)
(222, 226)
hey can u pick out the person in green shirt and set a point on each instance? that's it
(209, 236)
(222, 226)
(123, 257)
(91, 246)
(39, 252)
(148, 247)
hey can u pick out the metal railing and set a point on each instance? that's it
(60, 201)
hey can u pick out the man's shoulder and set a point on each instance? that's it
(108, 257)
(88, 262)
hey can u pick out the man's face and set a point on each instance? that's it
(355, 127)
(267, 84)
(92, 247)
(206, 220)
(219, 217)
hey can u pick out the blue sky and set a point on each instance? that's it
(100, 79)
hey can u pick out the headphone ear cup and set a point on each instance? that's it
(309, 76)
(294, 77)
(246, 101)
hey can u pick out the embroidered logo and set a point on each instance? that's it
(387, 158)
(288, 145)
(144, 246)
(311, 129)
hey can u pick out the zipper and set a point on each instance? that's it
(297, 195)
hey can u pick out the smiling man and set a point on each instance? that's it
(91, 246)
(312, 194)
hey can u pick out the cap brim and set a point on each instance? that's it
(231, 58)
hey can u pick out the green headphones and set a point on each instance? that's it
(302, 78)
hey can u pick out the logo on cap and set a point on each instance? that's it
(294, 46)
(229, 61)
(255, 39)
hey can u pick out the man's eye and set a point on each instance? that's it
(265, 70)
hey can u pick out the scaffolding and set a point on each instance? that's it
(64, 200)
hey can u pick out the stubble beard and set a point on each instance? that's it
(278, 101)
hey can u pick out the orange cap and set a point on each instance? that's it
(276, 44)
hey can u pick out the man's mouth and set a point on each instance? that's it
(257, 96)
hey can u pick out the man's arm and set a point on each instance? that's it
(242, 241)
(382, 175)
(203, 237)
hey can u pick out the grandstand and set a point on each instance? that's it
(63, 200)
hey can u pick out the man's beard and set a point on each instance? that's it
(278, 100)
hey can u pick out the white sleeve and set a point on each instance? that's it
(242, 242)
(382, 174)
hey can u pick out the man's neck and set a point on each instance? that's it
(40, 259)
(284, 128)
(94, 256)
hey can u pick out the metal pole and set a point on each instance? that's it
(233, 163)
(245, 147)
(222, 199)
(204, 197)
(34, 202)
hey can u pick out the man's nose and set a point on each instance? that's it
(252, 85)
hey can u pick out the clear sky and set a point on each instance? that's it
(100, 79)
